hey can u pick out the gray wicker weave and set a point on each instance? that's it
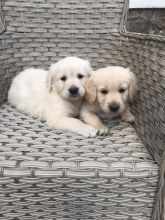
(49, 174)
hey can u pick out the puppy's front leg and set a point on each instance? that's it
(74, 125)
(127, 116)
(92, 119)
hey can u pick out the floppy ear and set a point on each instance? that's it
(88, 67)
(90, 89)
(133, 86)
(50, 77)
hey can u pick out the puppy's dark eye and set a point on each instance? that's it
(104, 91)
(122, 90)
(80, 76)
(63, 78)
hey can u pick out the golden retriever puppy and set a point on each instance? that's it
(54, 96)
(109, 90)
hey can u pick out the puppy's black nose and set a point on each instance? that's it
(114, 107)
(73, 90)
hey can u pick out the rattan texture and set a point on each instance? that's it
(2, 21)
(55, 175)
(95, 178)
(123, 29)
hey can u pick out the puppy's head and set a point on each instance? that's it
(112, 87)
(68, 76)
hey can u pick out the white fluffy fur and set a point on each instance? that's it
(103, 89)
(42, 94)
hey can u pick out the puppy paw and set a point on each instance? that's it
(128, 118)
(104, 131)
(89, 131)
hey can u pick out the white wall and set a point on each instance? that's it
(146, 3)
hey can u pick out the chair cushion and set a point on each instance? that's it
(58, 174)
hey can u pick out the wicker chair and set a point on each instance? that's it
(50, 174)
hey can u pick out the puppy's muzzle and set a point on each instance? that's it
(74, 91)
(114, 107)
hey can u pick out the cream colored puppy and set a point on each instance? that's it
(109, 90)
(54, 96)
